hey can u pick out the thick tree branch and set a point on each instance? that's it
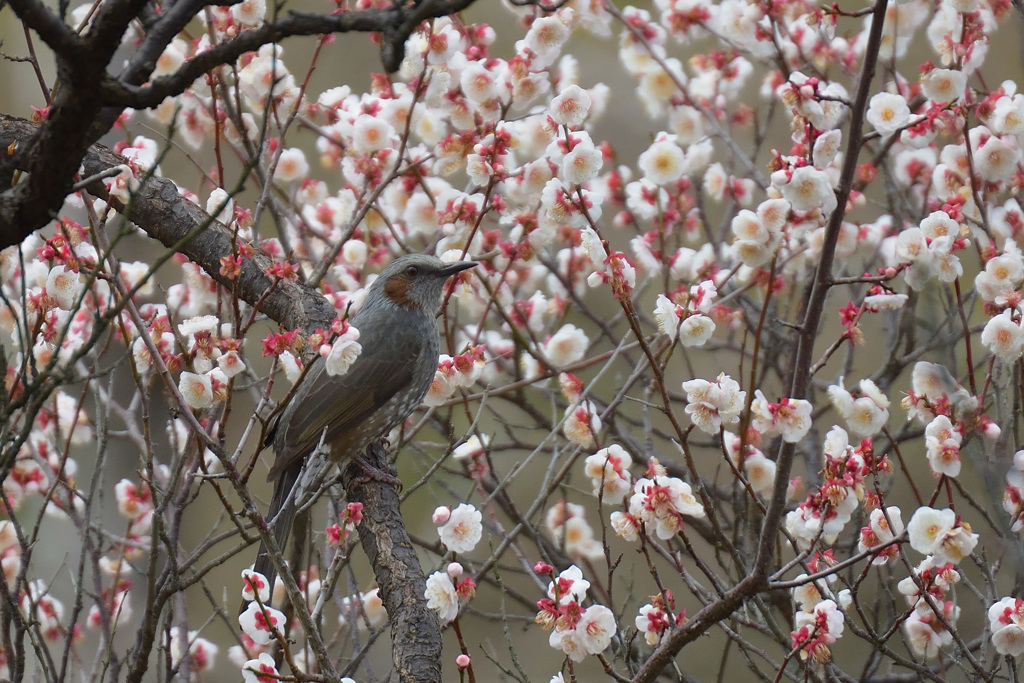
(415, 630)
(166, 216)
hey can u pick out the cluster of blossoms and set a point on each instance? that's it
(712, 405)
(1006, 622)
(756, 468)
(688, 322)
(459, 530)
(575, 630)
(866, 415)
(568, 527)
(658, 504)
(263, 626)
(446, 591)
(926, 627)
(461, 371)
(819, 621)
(1013, 495)
(884, 527)
(582, 418)
(826, 511)
(658, 617)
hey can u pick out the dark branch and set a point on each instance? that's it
(396, 25)
(165, 215)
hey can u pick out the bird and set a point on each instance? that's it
(383, 386)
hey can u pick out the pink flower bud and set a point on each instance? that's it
(441, 514)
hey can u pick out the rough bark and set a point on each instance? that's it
(397, 568)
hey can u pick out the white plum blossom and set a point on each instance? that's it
(661, 503)
(888, 112)
(570, 586)
(806, 188)
(756, 468)
(1013, 495)
(662, 162)
(865, 415)
(221, 206)
(290, 365)
(1006, 621)
(570, 530)
(478, 82)
(171, 59)
(262, 624)
(442, 597)
(608, 470)
(625, 525)
(582, 422)
(197, 390)
(1004, 337)
(826, 148)
(291, 165)
(582, 164)
(566, 346)
(879, 531)
(702, 297)
(571, 107)
(546, 37)
(944, 85)
(463, 530)
(1003, 274)
(597, 626)
(65, 286)
(201, 652)
(371, 134)
(1008, 115)
(655, 622)
(342, 353)
(667, 315)
(885, 302)
(260, 669)
(575, 631)
(473, 446)
(997, 160)
(941, 534)
(366, 609)
(711, 405)
(249, 12)
(696, 329)
(942, 445)
(230, 363)
(814, 630)
(255, 584)
(790, 418)
(939, 224)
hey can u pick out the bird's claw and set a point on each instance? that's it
(370, 472)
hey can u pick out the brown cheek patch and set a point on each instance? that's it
(397, 289)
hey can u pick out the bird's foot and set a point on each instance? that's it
(369, 472)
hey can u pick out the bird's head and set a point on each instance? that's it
(416, 281)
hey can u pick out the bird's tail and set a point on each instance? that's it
(281, 514)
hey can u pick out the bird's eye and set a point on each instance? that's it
(412, 271)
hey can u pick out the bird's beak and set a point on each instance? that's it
(457, 267)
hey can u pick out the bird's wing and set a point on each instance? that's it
(382, 369)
